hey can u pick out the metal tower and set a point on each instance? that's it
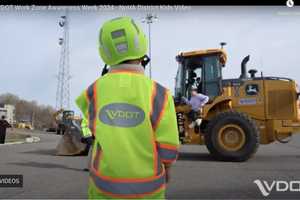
(149, 19)
(63, 77)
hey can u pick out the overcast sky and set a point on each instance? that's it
(30, 52)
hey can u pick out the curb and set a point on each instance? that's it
(33, 139)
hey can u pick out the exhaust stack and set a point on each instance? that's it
(244, 67)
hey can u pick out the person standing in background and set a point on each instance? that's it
(3, 126)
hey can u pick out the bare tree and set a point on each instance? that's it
(40, 115)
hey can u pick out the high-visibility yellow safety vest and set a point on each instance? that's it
(134, 123)
(86, 132)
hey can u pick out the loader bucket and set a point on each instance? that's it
(70, 145)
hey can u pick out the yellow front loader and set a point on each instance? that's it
(24, 124)
(242, 113)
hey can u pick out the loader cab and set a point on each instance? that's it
(201, 69)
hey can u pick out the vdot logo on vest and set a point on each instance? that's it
(279, 186)
(121, 115)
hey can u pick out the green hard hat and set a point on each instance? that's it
(121, 39)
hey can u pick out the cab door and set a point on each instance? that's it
(212, 75)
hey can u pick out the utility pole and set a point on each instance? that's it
(63, 77)
(149, 19)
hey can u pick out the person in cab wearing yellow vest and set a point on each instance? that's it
(132, 118)
(87, 137)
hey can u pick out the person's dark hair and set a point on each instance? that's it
(3, 117)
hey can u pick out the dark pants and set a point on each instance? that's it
(87, 149)
(61, 129)
(193, 115)
(2, 137)
(90, 156)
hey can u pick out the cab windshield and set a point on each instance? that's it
(202, 72)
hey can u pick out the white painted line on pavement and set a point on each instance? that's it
(27, 140)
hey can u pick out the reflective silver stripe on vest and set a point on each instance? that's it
(91, 107)
(167, 154)
(157, 104)
(97, 157)
(158, 165)
(127, 188)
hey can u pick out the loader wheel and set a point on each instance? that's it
(232, 136)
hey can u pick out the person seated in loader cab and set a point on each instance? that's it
(197, 101)
(199, 84)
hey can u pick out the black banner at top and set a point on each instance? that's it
(148, 2)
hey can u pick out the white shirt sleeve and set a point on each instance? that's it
(203, 99)
(186, 100)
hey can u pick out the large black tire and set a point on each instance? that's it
(240, 121)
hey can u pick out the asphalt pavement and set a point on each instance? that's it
(194, 176)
